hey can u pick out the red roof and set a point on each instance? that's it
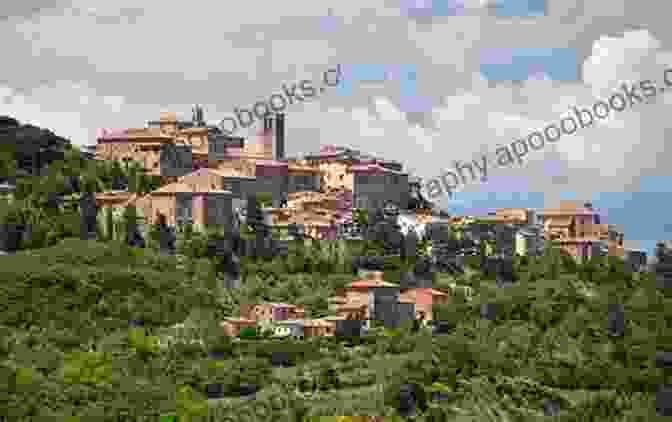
(367, 284)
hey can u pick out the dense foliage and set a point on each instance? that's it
(87, 329)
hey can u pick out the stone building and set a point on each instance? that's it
(243, 168)
(183, 204)
(580, 232)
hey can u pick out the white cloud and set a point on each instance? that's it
(136, 61)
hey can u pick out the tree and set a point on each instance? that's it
(118, 178)
(360, 217)
(109, 224)
(264, 199)
(135, 174)
(552, 260)
(8, 165)
(327, 378)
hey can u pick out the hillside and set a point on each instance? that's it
(68, 347)
(25, 140)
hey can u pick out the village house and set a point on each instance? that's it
(183, 203)
(315, 212)
(376, 185)
(357, 300)
(271, 311)
(243, 168)
(579, 231)
(529, 235)
(423, 299)
(321, 327)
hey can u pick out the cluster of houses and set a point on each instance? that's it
(362, 301)
(574, 226)
(315, 192)
(217, 173)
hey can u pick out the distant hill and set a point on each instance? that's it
(34, 147)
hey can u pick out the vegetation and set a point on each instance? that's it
(97, 328)
(68, 347)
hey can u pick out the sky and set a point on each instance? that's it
(425, 82)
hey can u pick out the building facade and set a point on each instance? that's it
(376, 186)
(578, 230)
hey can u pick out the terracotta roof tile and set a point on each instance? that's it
(183, 187)
(237, 320)
(371, 284)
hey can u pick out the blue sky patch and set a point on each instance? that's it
(520, 8)
(405, 75)
(520, 64)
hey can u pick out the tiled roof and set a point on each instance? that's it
(232, 172)
(179, 187)
(197, 129)
(579, 239)
(133, 134)
(349, 305)
(370, 284)
(293, 167)
(237, 320)
(113, 194)
(558, 222)
(204, 171)
(317, 323)
(281, 305)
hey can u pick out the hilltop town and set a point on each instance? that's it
(176, 257)
(204, 178)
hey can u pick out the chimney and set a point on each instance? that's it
(279, 136)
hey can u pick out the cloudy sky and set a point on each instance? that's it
(76, 66)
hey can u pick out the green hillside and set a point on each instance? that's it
(67, 348)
